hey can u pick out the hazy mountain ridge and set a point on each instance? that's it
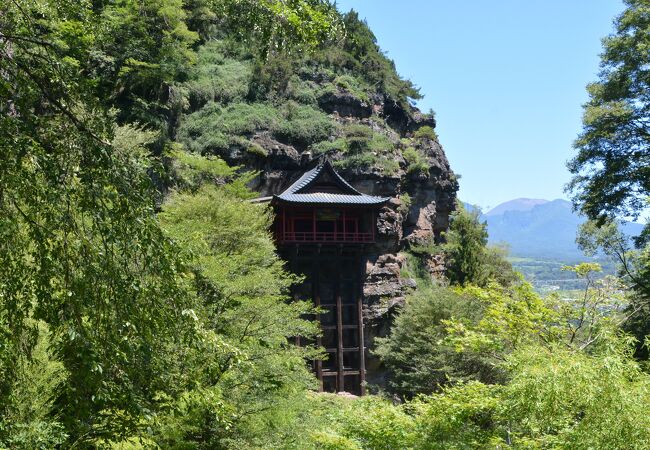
(541, 229)
(518, 204)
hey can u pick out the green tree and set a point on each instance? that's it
(415, 352)
(464, 248)
(468, 257)
(141, 54)
(245, 363)
(611, 168)
(282, 25)
(634, 267)
(80, 246)
(555, 398)
(516, 316)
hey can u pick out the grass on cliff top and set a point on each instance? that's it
(214, 128)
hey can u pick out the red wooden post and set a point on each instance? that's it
(344, 235)
(313, 225)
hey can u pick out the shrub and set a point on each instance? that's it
(256, 149)
(426, 132)
(418, 360)
(405, 203)
(358, 137)
(325, 440)
(461, 417)
(212, 128)
(416, 161)
(217, 78)
(29, 417)
(304, 125)
(388, 166)
(338, 145)
(381, 144)
(244, 118)
(301, 91)
(352, 85)
(377, 424)
(362, 55)
(191, 168)
(271, 76)
(359, 161)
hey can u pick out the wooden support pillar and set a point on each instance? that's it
(362, 349)
(315, 288)
(339, 325)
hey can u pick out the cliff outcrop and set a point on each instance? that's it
(411, 169)
(346, 103)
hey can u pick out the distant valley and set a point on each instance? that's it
(540, 236)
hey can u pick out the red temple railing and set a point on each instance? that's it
(320, 236)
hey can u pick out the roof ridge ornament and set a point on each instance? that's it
(322, 159)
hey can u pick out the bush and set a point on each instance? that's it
(363, 160)
(256, 149)
(28, 420)
(405, 203)
(337, 145)
(217, 78)
(304, 125)
(301, 91)
(358, 138)
(352, 85)
(556, 398)
(426, 132)
(381, 144)
(388, 166)
(377, 424)
(461, 417)
(418, 360)
(213, 127)
(416, 162)
(271, 76)
(363, 57)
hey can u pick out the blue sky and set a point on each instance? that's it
(506, 79)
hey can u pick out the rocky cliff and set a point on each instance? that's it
(420, 183)
(345, 102)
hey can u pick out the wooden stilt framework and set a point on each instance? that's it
(334, 278)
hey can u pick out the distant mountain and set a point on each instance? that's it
(534, 228)
(518, 204)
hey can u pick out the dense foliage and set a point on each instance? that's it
(94, 293)
(419, 359)
(611, 167)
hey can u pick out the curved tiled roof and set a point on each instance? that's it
(296, 193)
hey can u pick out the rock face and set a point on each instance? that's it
(419, 209)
